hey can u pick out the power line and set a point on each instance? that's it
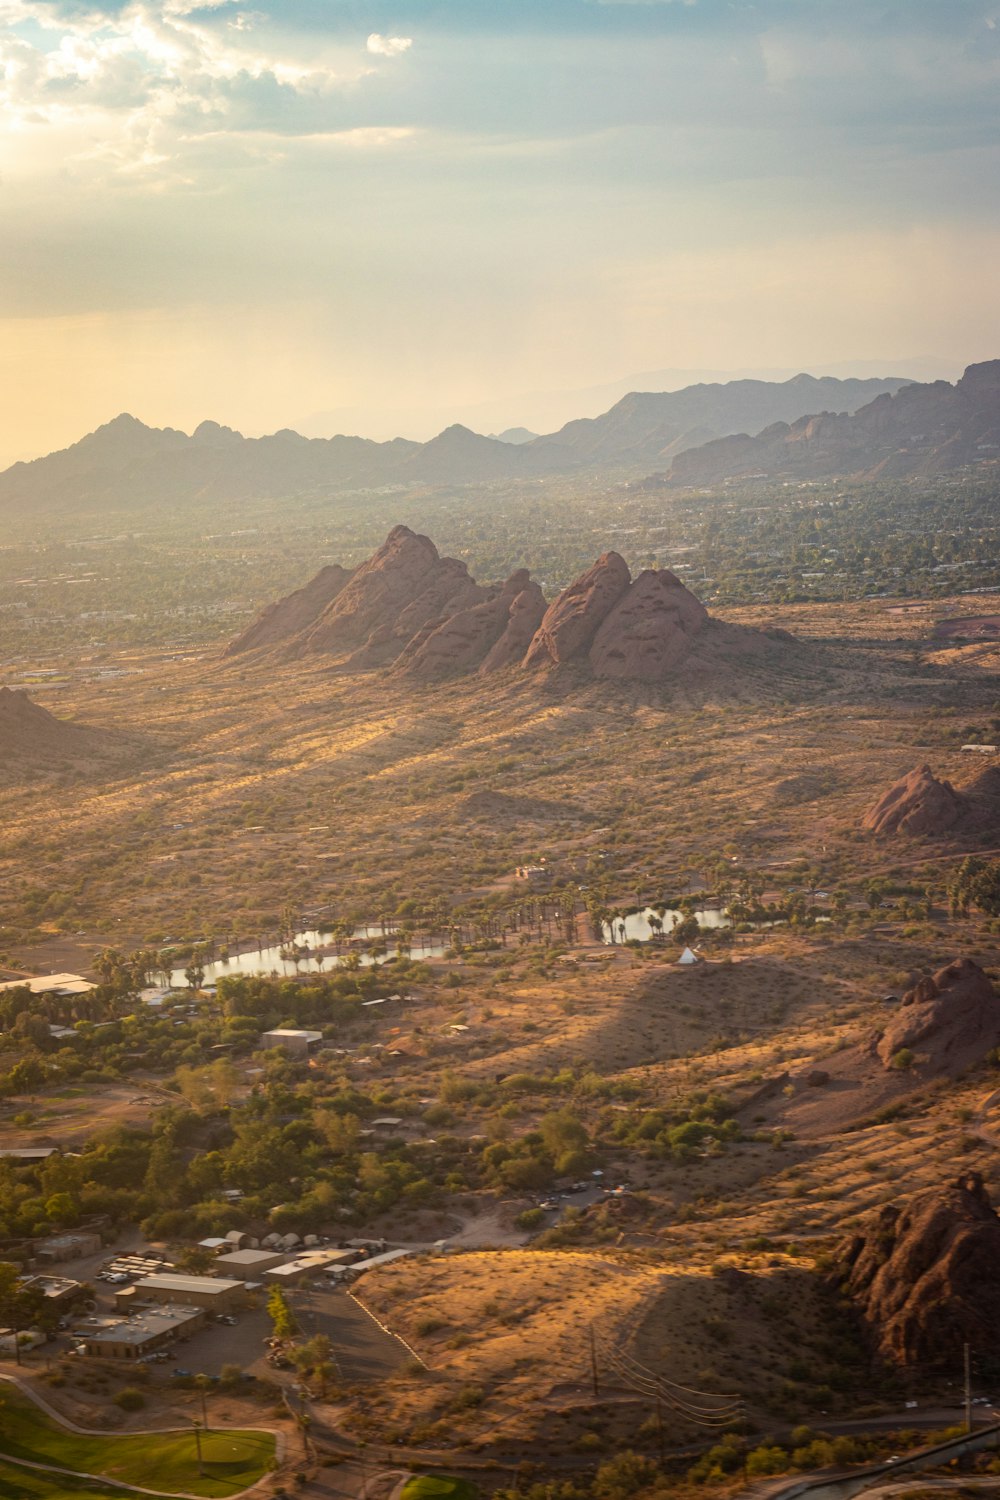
(684, 1401)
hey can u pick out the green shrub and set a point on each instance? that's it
(130, 1399)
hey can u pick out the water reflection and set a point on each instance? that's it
(642, 926)
(314, 953)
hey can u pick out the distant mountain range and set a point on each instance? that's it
(694, 436)
(920, 431)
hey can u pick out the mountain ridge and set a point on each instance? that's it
(125, 463)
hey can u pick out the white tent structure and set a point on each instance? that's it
(689, 957)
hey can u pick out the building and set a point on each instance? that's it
(56, 1288)
(52, 984)
(249, 1265)
(28, 1156)
(310, 1263)
(213, 1292)
(67, 1247)
(385, 1259)
(131, 1338)
(295, 1042)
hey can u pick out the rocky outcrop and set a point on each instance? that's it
(925, 1275)
(402, 587)
(917, 804)
(293, 614)
(571, 622)
(461, 642)
(427, 617)
(650, 631)
(952, 1018)
(527, 611)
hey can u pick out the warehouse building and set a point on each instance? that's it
(310, 1263)
(131, 1338)
(214, 1293)
(250, 1265)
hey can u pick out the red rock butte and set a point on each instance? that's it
(425, 616)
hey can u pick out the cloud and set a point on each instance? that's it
(389, 46)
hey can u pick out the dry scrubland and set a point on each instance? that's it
(255, 786)
(261, 785)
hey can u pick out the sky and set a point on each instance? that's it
(377, 215)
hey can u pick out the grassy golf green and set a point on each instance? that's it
(27, 1484)
(164, 1461)
(438, 1487)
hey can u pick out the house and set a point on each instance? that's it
(385, 1259)
(295, 1042)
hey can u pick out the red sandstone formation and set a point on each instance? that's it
(650, 631)
(572, 621)
(917, 804)
(293, 614)
(926, 1275)
(954, 1019)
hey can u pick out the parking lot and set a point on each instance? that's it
(363, 1351)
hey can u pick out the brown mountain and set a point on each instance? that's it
(947, 1022)
(917, 804)
(32, 739)
(925, 1275)
(401, 589)
(920, 430)
(125, 465)
(646, 426)
(920, 805)
(424, 613)
(570, 624)
(293, 614)
(464, 639)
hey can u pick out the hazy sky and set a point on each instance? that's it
(258, 211)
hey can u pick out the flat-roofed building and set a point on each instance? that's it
(310, 1263)
(52, 984)
(249, 1265)
(217, 1293)
(67, 1247)
(130, 1338)
(295, 1042)
(55, 1288)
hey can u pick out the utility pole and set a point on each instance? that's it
(593, 1362)
(197, 1443)
(968, 1389)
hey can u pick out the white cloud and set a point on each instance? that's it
(389, 46)
(139, 85)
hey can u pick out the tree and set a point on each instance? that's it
(282, 1318)
(315, 1357)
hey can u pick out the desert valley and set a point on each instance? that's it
(605, 951)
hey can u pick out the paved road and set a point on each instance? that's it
(364, 1352)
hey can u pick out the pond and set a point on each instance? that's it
(263, 962)
(638, 929)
